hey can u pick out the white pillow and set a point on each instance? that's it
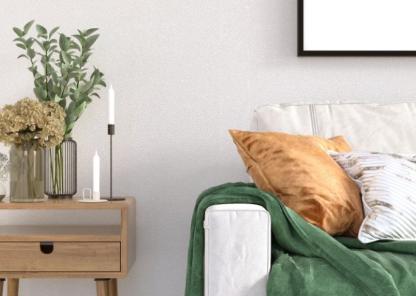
(388, 188)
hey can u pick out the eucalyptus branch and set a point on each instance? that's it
(66, 79)
(46, 73)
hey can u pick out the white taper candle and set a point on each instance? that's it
(96, 177)
(111, 105)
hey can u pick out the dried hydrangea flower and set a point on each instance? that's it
(34, 122)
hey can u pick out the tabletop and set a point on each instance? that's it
(66, 204)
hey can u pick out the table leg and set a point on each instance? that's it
(12, 287)
(113, 287)
(102, 287)
(1, 286)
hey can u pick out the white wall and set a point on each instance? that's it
(185, 71)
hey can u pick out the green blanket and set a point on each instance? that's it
(306, 260)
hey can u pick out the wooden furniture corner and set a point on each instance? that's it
(101, 252)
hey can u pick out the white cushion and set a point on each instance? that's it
(388, 188)
(237, 250)
(371, 127)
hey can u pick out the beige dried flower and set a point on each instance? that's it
(34, 122)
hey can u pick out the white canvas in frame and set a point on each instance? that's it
(359, 25)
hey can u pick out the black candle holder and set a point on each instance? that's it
(111, 131)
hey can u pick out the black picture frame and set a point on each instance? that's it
(301, 52)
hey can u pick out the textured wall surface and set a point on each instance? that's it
(184, 72)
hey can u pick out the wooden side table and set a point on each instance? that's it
(104, 253)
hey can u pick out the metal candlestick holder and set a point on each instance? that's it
(111, 130)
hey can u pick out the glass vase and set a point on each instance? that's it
(61, 170)
(4, 175)
(26, 173)
(3, 189)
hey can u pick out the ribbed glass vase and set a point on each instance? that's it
(26, 173)
(61, 170)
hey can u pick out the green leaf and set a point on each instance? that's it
(22, 56)
(62, 103)
(80, 39)
(40, 93)
(66, 58)
(71, 114)
(90, 31)
(50, 89)
(27, 27)
(74, 45)
(41, 30)
(53, 31)
(71, 108)
(87, 87)
(75, 95)
(84, 58)
(91, 40)
(31, 53)
(56, 89)
(21, 45)
(49, 68)
(29, 42)
(80, 109)
(64, 72)
(37, 76)
(69, 127)
(39, 83)
(21, 39)
(46, 45)
(18, 32)
(70, 117)
(64, 42)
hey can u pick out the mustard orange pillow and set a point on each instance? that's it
(298, 170)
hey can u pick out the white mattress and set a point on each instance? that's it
(237, 250)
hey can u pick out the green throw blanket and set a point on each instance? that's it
(306, 260)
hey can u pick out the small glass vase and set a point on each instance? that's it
(61, 170)
(26, 173)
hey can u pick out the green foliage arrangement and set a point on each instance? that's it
(59, 64)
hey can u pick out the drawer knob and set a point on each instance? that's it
(46, 247)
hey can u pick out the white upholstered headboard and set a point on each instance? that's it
(367, 126)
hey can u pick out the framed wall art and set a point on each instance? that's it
(356, 28)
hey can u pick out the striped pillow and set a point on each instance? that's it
(388, 188)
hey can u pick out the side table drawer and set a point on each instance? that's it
(60, 256)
